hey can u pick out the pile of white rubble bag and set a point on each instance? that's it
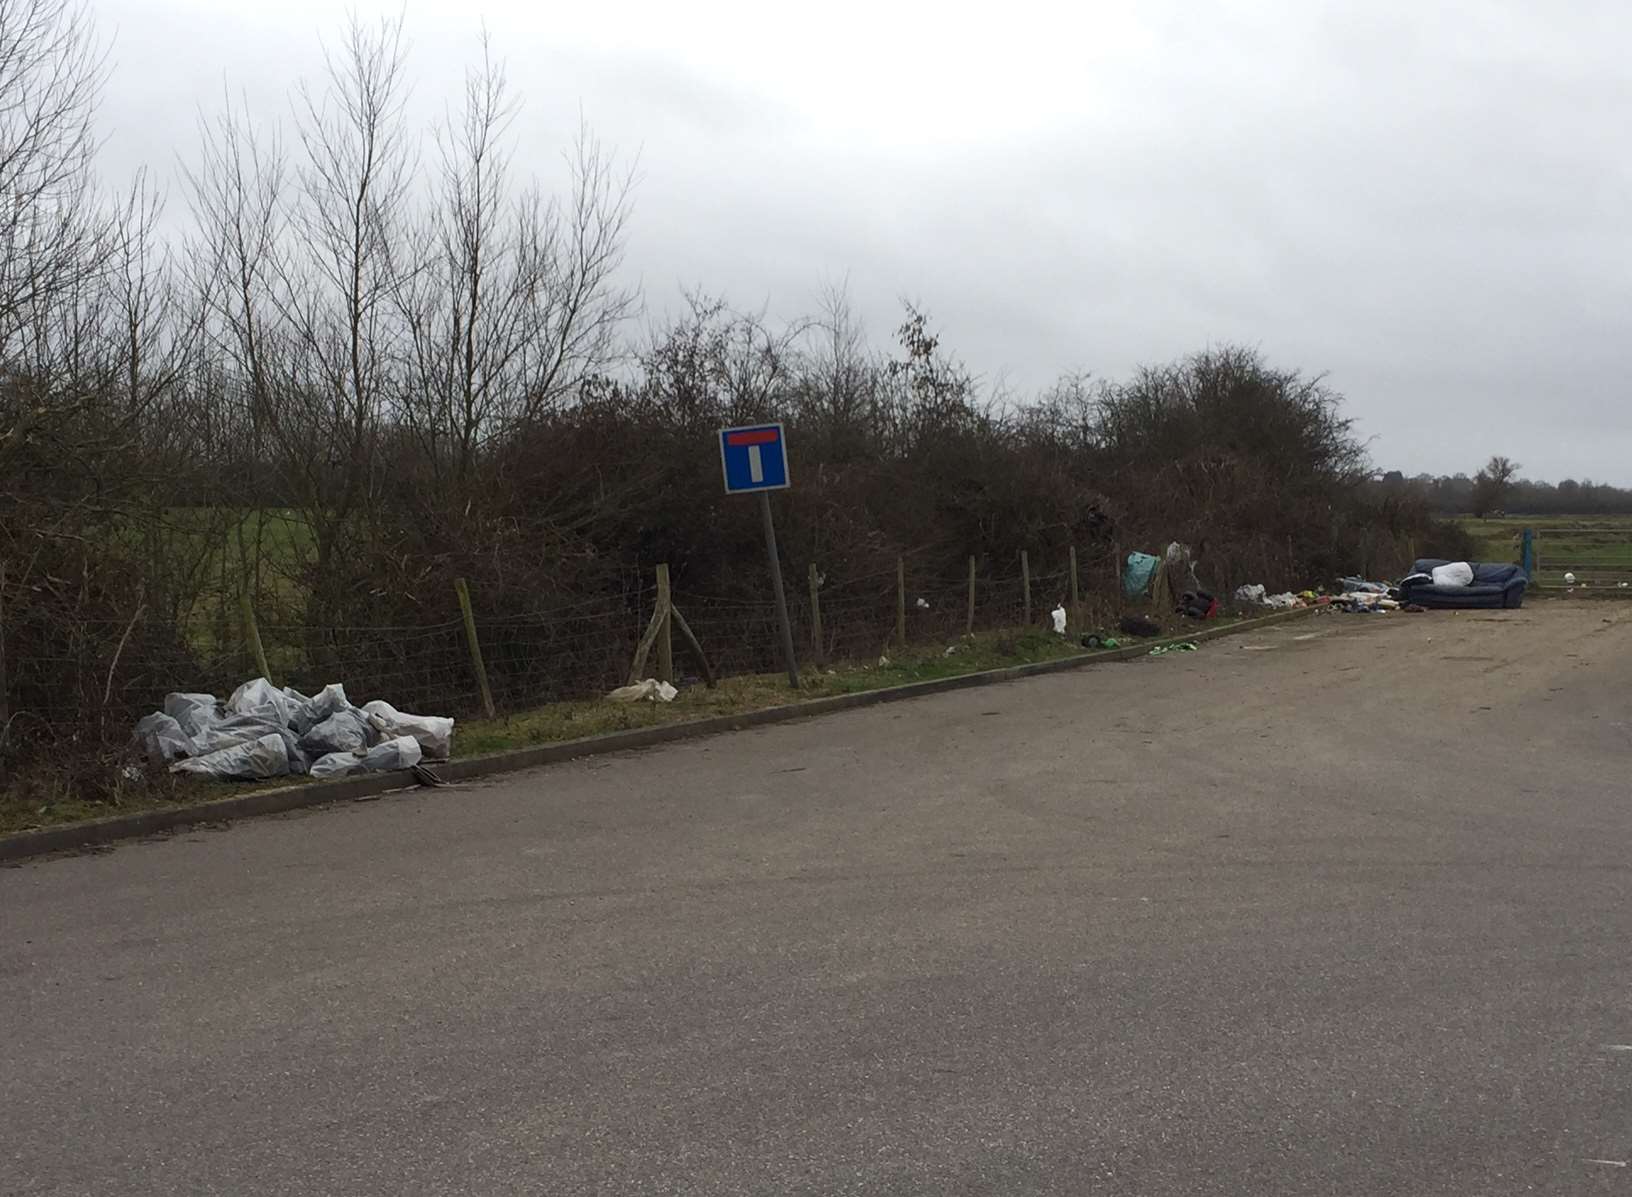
(262, 731)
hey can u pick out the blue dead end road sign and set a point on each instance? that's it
(753, 458)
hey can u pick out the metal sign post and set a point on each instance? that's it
(754, 460)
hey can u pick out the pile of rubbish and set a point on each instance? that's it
(263, 731)
(1356, 596)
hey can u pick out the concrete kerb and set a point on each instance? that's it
(77, 836)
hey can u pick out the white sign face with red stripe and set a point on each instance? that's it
(754, 457)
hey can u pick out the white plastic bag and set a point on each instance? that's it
(258, 759)
(1456, 573)
(400, 753)
(1253, 593)
(651, 688)
(1059, 619)
(434, 732)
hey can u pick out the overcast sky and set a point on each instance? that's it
(1426, 201)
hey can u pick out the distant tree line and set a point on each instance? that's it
(1503, 492)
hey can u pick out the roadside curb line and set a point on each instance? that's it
(76, 836)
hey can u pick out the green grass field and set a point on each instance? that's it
(1596, 549)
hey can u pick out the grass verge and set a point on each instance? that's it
(51, 799)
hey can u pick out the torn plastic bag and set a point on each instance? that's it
(260, 697)
(1058, 616)
(434, 732)
(343, 731)
(160, 738)
(262, 758)
(400, 753)
(1251, 593)
(650, 688)
(330, 700)
(194, 712)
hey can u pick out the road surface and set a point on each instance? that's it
(1343, 907)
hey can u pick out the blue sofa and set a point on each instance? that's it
(1493, 586)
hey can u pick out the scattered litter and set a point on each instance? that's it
(883, 661)
(1254, 594)
(263, 731)
(1093, 641)
(1358, 585)
(1183, 646)
(651, 689)
(1058, 615)
(1569, 579)
(923, 604)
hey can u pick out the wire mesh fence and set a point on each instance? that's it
(109, 674)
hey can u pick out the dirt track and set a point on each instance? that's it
(1342, 907)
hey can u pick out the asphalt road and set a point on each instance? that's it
(1341, 908)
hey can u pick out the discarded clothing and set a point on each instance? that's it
(1198, 604)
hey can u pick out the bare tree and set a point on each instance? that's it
(51, 73)
(1492, 484)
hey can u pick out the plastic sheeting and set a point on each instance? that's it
(434, 733)
(1137, 574)
(254, 761)
(401, 753)
(262, 731)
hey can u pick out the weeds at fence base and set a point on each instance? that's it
(52, 796)
(737, 695)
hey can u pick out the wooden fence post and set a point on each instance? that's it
(1025, 583)
(1076, 595)
(901, 601)
(252, 634)
(815, 614)
(465, 609)
(665, 632)
(970, 624)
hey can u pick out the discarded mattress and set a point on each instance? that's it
(263, 731)
(1492, 585)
